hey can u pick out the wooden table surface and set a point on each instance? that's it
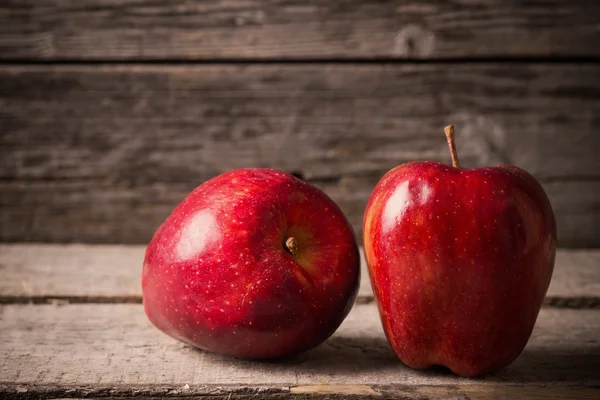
(72, 325)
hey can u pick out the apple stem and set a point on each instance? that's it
(291, 246)
(449, 131)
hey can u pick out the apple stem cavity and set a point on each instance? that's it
(449, 131)
(291, 246)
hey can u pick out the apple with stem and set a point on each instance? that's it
(460, 261)
(254, 263)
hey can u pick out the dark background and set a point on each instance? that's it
(111, 111)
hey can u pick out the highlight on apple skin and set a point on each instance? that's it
(254, 263)
(460, 261)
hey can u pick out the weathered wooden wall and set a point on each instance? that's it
(112, 111)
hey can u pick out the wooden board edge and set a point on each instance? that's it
(478, 390)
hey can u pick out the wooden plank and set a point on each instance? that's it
(67, 271)
(86, 148)
(276, 29)
(106, 346)
(36, 272)
(316, 392)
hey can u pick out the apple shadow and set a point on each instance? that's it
(345, 358)
(344, 354)
(367, 357)
(372, 359)
(545, 365)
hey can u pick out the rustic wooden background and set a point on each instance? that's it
(111, 111)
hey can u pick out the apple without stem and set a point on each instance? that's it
(253, 263)
(460, 261)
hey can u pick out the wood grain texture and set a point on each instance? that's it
(104, 153)
(49, 271)
(54, 271)
(115, 345)
(278, 29)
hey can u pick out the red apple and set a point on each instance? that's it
(254, 263)
(460, 261)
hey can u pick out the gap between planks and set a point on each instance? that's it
(549, 301)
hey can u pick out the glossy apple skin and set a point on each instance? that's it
(460, 261)
(216, 274)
